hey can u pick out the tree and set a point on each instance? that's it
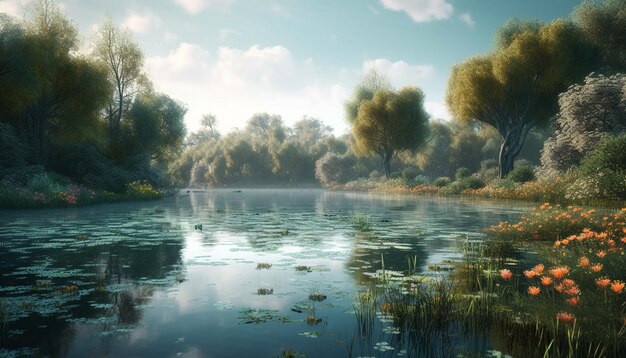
(123, 59)
(390, 122)
(515, 88)
(309, 131)
(588, 113)
(156, 124)
(372, 82)
(331, 169)
(207, 133)
(604, 24)
(266, 126)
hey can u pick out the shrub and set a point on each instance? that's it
(331, 169)
(421, 180)
(472, 183)
(522, 173)
(408, 175)
(462, 173)
(375, 175)
(441, 182)
(602, 173)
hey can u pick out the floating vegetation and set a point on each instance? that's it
(41, 285)
(361, 223)
(302, 306)
(383, 347)
(198, 227)
(302, 268)
(82, 238)
(265, 291)
(310, 334)
(317, 297)
(263, 266)
(70, 290)
(290, 353)
(258, 315)
(438, 268)
(312, 320)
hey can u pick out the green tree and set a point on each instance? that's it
(123, 59)
(156, 125)
(389, 123)
(516, 87)
(207, 133)
(604, 24)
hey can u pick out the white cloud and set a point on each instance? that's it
(141, 23)
(437, 110)
(400, 73)
(13, 7)
(467, 19)
(236, 83)
(421, 10)
(197, 6)
(227, 32)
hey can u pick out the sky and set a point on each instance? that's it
(235, 58)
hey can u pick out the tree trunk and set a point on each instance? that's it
(512, 143)
(387, 157)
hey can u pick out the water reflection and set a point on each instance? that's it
(179, 276)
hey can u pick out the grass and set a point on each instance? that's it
(361, 223)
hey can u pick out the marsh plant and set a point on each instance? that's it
(361, 223)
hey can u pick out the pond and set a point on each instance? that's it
(222, 273)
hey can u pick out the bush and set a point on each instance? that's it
(375, 175)
(505, 184)
(44, 184)
(441, 182)
(602, 173)
(522, 173)
(462, 173)
(408, 175)
(331, 169)
(472, 183)
(421, 180)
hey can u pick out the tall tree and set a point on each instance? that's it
(390, 122)
(515, 88)
(372, 82)
(123, 59)
(604, 23)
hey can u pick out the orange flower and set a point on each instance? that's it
(506, 274)
(538, 269)
(559, 287)
(573, 301)
(529, 274)
(565, 317)
(559, 272)
(617, 286)
(573, 291)
(569, 282)
(596, 267)
(533, 290)
(583, 262)
(603, 282)
(601, 254)
(546, 280)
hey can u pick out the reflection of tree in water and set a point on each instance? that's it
(370, 251)
(115, 264)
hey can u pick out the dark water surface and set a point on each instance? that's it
(142, 279)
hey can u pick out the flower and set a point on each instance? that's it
(596, 267)
(617, 286)
(529, 274)
(565, 317)
(559, 272)
(546, 280)
(583, 262)
(573, 301)
(601, 254)
(603, 282)
(538, 269)
(506, 274)
(533, 290)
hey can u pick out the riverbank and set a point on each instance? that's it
(562, 191)
(72, 195)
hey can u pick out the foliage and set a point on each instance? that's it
(441, 181)
(522, 173)
(588, 113)
(462, 173)
(390, 122)
(602, 173)
(331, 169)
(604, 24)
(515, 88)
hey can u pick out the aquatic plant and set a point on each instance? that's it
(361, 223)
(302, 268)
(263, 266)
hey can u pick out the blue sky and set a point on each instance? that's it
(234, 58)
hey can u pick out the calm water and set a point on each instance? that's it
(143, 279)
